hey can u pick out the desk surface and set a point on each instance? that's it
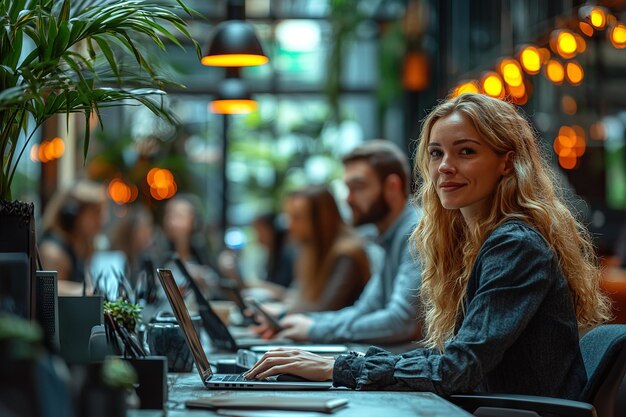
(187, 386)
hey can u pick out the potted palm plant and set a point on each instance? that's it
(73, 56)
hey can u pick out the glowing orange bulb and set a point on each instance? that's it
(234, 60)
(150, 176)
(566, 44)
(119, 191)
(57, 147)
(530, 59)
(618, 36)
(597, 17)
(492, 85)
(586, 28)
(555, 71)
(233, 106)
(511, 72)
(574, 73)
(466, 87)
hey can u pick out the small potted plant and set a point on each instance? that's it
(121, 320)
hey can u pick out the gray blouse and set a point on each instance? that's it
(518, 335)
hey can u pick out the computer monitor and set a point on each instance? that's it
(15, 285)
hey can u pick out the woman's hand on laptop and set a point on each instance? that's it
(293, 362)
(295, 327)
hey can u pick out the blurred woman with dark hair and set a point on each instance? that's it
(72, 220)
(274, 237)
(183, 229)
(332, 266)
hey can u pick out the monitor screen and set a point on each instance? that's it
(15, 283)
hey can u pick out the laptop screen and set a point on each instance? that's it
(184, 320)
(217, 330)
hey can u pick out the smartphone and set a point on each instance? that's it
(271, 320)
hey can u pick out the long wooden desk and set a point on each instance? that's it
(187, 386)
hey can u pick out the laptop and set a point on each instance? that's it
(223, 339)
(220, 381)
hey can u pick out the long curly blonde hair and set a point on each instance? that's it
(447, 246)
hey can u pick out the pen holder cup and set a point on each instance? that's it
(167, 339)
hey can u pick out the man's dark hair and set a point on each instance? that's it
(385, 158)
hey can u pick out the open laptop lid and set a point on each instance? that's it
(216, 329)
(186, 325)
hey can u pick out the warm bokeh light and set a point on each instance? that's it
(466, 87)
(567, 136)
(48, 150)
(57, 147)
(234, 60)
(555, 71)
(492, 85)
(574, 73)
(517, 91)
(618, 36)
(530, 59)
(564, 43)
(597, 17)
(568, 104)
(511, 72)
(233, 106)
(586, 28)
(162, 183)
(570, 145)
(597, 131)
(120, 192)
(518, 95)
(416, 72)
(568, 161)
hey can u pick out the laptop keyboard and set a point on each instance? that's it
(233, 378)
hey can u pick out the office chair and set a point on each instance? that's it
(604, 354)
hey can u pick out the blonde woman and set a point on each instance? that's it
(509, 275)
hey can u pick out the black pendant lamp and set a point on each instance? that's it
(234, 44)
(233, 98)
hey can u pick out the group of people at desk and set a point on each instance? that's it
(505, 274)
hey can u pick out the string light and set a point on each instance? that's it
(492, 85)
(597, 17)
(555, 71)
(530, 59)
(466, 87)
(511, 72)
(574, 73)
(617, 35)
(563, 42)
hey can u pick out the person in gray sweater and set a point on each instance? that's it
(378, 178)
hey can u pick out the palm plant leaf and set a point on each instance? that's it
(86, 54)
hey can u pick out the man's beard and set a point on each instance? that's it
(376, 212)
